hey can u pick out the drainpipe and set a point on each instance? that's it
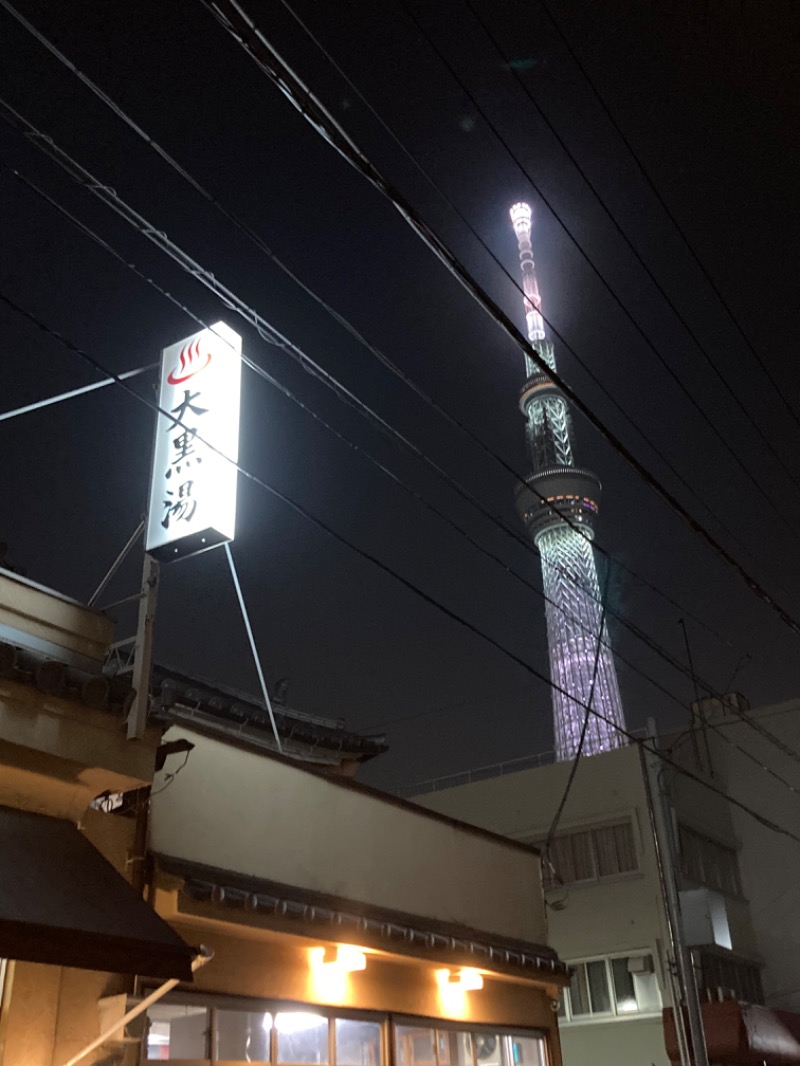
(663, 837)
(204, 955)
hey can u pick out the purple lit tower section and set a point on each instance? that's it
(559, 508)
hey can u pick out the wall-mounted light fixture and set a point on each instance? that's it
(345, 958)
(466, 979)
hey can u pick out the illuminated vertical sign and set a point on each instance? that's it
(193, 488)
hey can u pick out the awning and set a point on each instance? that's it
(63, 904)
(742, 1034)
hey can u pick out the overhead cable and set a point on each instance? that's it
(265, 375)
(163, 241)
(673, 374)
(364, 554)
(247, 34)
(690, 332)
(264, 329)
(360, 450)
(636, 630)
(779, 392)
(342, 321)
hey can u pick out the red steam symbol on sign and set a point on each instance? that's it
(190, 362)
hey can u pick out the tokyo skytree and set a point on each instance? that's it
(559, 506)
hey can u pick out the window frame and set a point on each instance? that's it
(566, 1016)
(701, 839)
(386, 1020)
(552, 879)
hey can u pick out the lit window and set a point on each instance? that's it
(611, 987)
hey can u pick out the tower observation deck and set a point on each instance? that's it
(559, 507)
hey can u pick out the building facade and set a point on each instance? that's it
(192, 896)
(607, 915)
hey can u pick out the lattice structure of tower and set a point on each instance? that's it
(559, 506)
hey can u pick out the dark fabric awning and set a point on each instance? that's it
(742, 1034)
(62, 903)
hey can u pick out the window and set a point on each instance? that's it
(706, 862)
(590, 854)
(423, 1046)
(203, 1030)
(177, 1032)
(611, 987)
(729, 975)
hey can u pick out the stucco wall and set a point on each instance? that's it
(769, 863)
(265, 818)
(614, 916)
(605, 789)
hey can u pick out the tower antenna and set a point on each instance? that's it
(559, 507)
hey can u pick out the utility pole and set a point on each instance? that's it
(664, 836)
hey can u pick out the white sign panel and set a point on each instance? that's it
(193, 489)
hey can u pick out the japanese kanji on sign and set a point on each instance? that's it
(193, 487)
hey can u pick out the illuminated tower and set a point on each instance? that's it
(559, 509)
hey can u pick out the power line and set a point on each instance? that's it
(340, 319)
(117, 203)
(162, 241)
(250, 38)
(634, 629)
(426, 597)
(640, 260)
(596, 271)
(261, 372)
(514, 281)
(267, 332)
(149, 231)
(669, 213)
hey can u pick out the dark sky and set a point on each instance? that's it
(706, 94)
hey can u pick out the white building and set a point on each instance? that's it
(740, 880)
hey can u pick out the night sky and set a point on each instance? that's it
(706, 94)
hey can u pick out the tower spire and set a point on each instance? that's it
(559, 507)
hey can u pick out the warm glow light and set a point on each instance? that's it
(346, 959)
(465, 979)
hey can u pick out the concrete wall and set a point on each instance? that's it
(613, 916)
(265, 818)
(606, 789)
(769, 863)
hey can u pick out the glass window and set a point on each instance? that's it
(416, 1046)
(454, 1048)
(579, 992)
(357, 1043)
(622, 985)
(624, 992)
(589, 854)
(488, 1049)
(527, 1051)
(302, 1037)
(243, 1036)
(598, 986)
(177, 1032)
(735, 976)
(707, 862)
(582, 856)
